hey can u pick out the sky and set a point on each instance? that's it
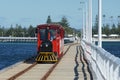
(35, 12)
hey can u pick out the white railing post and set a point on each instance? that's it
(100, 23)
(89, 27)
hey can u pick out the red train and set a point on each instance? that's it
(50, 42)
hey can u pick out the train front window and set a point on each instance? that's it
(52, 34)
(42, 34)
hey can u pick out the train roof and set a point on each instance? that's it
(51, 26)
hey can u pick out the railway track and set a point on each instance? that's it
(41, 71)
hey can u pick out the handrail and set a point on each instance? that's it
(105, 65)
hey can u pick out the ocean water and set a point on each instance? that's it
(11, 53)
(112, 47)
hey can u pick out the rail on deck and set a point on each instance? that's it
(105, 65)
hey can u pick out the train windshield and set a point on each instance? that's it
(44, 34)
(52, 34)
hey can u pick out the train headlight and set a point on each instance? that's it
(46, 45)
(40, 45)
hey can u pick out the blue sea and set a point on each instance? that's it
(11, 53)
(112, 47)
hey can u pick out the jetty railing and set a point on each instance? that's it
(105, 65)
(18, 39)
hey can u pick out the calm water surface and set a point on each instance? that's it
(112, 47)
(11, 53)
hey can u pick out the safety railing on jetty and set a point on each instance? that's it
(18, 39)
(105, 65)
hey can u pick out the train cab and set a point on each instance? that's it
(50, 42)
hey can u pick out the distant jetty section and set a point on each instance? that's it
(34, 39)
(107, 39)
(18, 39)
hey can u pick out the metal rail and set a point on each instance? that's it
(104, 65)
(22, 72)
